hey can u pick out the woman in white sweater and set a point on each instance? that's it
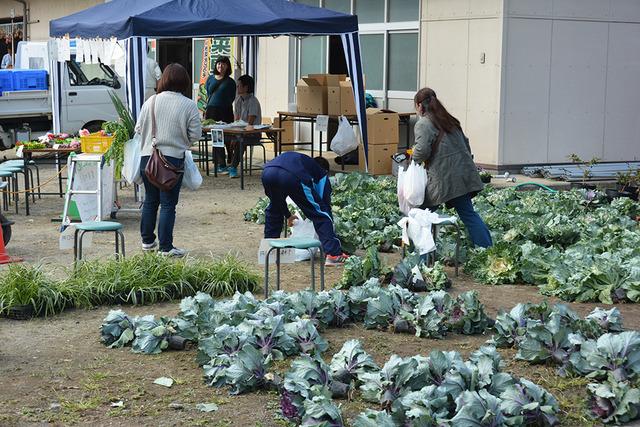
(177, 127)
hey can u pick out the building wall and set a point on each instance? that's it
(461, 59)
(273, 75)
(571, 80)
(45, 10)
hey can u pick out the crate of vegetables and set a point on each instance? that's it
(96, 143)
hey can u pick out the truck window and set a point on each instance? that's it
(82, 74)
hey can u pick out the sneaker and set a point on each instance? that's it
(150, 246)
(222, 170)
(335, 260)
(175, 252)
(233, 172)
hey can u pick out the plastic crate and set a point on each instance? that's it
(95, 143)
(30, 80)
(6, 81)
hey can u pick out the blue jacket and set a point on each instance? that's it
(312, 177)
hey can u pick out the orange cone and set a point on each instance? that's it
(4, 257)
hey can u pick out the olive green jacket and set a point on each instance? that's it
(451, 170)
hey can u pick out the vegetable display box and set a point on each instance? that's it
(95, 143)
(29, 79)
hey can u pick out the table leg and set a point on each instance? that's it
(25, 159)
(312, 134)
(279, 146)
(241, 147)
(59, 175)
(206, 154)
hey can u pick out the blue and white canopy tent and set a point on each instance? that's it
(133, 21)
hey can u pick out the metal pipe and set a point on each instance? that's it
(24, 18)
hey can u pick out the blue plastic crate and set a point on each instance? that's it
(30, 80)
(6, 80)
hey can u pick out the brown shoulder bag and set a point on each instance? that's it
(159, 171)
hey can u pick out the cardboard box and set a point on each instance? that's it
(379, 158)
(287, 135)
(311, 96)
(382, 128)
(347, 101)
(331, 82)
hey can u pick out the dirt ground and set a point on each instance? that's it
(55, 371)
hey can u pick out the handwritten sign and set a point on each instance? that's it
(19, 151)
(287, 255)
(322, 123)
(67, 238)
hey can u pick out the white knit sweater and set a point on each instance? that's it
(177, 124)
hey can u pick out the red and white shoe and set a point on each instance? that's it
(335, 260)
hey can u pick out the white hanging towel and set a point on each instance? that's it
(109, 48)
(416, 228)
(86, 48)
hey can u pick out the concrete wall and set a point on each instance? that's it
(571, 80)
(456, 36)
(45, 10)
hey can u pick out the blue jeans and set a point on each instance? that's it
(166, 200)
(478, 230)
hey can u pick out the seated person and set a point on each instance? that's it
(246, 107)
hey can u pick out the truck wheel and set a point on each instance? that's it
(6, 229)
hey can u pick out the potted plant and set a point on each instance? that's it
(26, 292)
(627, 185)
(586, 169)
(485, 176)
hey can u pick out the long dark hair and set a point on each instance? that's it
(435, 110)
(175, 79)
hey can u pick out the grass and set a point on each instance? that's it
(23, 285)
(138, 280)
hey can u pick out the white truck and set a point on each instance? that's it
(85, 97)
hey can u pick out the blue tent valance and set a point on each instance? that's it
(201, 18)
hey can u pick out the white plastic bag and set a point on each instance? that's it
(303, 228)
(416, 228)
(192, 178)
(404, 205)
(131, 163)
(414, 184)
(345, 140)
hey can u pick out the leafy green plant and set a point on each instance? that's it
(122, 130)
(25, 285)
(585, 166)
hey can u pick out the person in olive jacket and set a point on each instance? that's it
(453, 176)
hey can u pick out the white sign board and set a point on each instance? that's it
(67, 237)
(217, 138)
(287, 255)
(322, 123)
(86, 178)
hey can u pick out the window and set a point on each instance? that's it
(404, 10)
(372, 52)
(389, 43)
(343, 6)
(313, 55)
(403, 61)
(83, 74)
(369, 11)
